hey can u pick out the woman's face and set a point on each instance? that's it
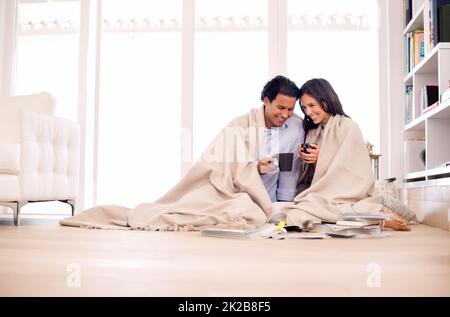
(313, 109)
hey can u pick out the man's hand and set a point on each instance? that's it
(265, 165)
(312, 156)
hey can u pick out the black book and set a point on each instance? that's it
(435, 27)
(408, 11)
(444, 23)
(430, 96)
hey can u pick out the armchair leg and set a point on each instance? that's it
(16, 211)
(15, 206)
(72, 204)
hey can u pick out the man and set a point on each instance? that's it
(282, 134)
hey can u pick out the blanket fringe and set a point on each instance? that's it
(163, 228)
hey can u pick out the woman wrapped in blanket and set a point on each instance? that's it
(340, 178)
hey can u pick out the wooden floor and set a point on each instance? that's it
(40, 258)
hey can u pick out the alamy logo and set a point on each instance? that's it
(374, 277)
(73, 278)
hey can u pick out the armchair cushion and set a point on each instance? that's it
(49, 164)
(9, 158)
(9, 187)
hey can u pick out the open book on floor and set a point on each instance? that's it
(361, 219)
(265, 231)
(301, 235)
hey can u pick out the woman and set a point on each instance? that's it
(341, 177)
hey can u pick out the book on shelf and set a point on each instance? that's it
(410, 48)
(419, 47)
(407, 9)
(444, 23)
(429, 95)
(437, 15)
(409, 51)
(414, 49)
(408, 104)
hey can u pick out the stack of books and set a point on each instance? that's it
(368, 217)
(350, 225)
(354, 225)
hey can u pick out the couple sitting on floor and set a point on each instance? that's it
(237, 181)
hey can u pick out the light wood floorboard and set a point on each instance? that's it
(36, 256)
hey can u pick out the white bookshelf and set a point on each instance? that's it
(416, 21)
(429, 130)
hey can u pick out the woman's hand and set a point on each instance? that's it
(312, 155)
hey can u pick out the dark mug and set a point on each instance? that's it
(305, 147)
(285, 161)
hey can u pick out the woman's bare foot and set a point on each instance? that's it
(395, 222)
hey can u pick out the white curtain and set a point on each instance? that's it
(338, 41)
(140, 102)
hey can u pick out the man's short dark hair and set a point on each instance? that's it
(280, 85)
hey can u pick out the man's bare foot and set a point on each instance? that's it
(395, 222)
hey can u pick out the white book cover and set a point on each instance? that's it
(364, 215)
(265, 231)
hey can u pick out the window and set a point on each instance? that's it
(139, 111)
(337, 40)
(231, 64)
(47, 52)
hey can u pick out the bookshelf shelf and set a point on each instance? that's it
(428, 65)
(417, 124)
(429, 174)
(416, 21)
(426, 149)
(441, 111)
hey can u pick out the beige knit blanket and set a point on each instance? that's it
(343, 179)
(223, 187)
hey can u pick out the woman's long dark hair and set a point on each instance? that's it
(321, 90)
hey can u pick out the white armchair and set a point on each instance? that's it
(39, 153)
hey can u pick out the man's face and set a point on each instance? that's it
(279, 110)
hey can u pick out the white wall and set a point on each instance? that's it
(391, 88)
(7, 43)
(3, 69)
(2, 43)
